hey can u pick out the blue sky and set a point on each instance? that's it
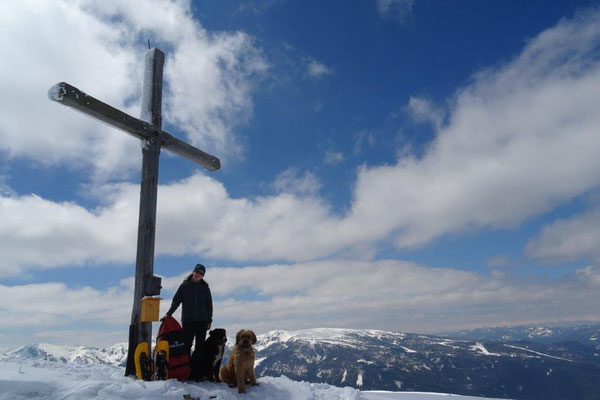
(387, 164)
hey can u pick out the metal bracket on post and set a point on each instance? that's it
(152, 285)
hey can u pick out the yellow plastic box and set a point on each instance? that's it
(150, 309)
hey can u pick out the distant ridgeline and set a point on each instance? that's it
(372, 360)
(551, 363)
(585, 334)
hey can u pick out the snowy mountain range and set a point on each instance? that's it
(378, 360)
(114, 355)
(585, 334)
(397, 361)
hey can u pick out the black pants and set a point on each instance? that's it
(197, 330)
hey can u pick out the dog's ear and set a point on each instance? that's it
(238, 336)
(253, 337)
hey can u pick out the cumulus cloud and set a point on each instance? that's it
(568, 239)
(38, 233)
(96, 47)
(520, 139)
(393, 295)
(386, 294)
(56, 304)
(43, 234)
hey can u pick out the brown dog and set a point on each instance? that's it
(240, 366)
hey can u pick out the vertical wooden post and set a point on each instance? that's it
(151, 113)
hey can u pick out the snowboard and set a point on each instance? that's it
(143, 362)
(161, 360)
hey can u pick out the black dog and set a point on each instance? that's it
(206, 364)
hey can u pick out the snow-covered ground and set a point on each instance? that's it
(65, 381)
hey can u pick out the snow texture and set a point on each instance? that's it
(115, 355)
(480, 347)
(57, 92)
(147, 90)
(320, 335)
(66, 381)
(538, 353)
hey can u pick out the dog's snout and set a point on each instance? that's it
(246, 341)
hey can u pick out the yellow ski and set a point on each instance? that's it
(143, 363)
(161, 360)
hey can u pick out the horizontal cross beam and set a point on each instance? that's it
(70, 96)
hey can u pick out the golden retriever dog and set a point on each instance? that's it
(240, 366)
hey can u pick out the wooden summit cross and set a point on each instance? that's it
(149, 130)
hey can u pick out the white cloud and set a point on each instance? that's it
(333, 157)
(568, 239)
(95, 47)
(500, 260)
(519, 140)
(210, 97)
(76, 337)
(363, 140)
(387, 294)
(291, 181)
(317, 69)
(195, 215)
(44, 234)
(263, 228)
(392, 295)
(5, 189)
(590, 274)
(258, 6)
(423, 111)
(56, 304)
(400, 10)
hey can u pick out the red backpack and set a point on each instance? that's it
(179, 358)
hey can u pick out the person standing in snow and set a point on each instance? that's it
(197, 310)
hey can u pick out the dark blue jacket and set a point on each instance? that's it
(196, 300)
